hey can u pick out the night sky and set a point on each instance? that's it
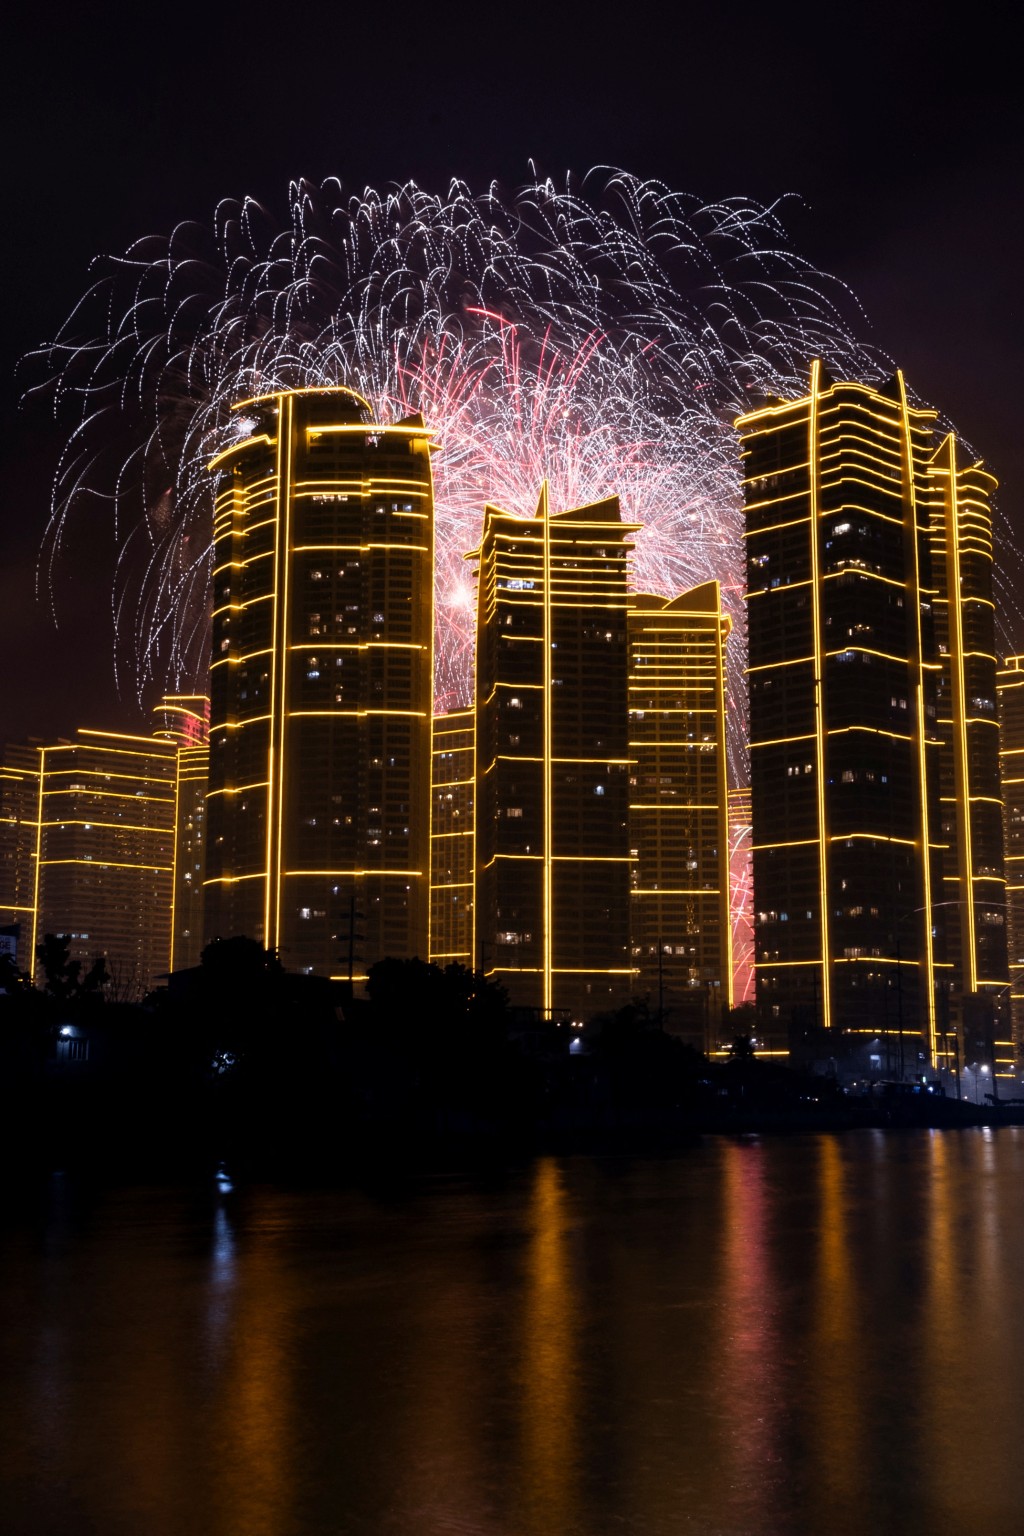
(900, 133)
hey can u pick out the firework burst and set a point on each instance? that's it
(602, 336)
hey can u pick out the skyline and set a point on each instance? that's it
(333, 566)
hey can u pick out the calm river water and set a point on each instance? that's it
(819, 1334)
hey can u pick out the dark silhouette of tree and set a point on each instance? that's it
(405, 992)
(12, 981)
(741, 1019)
(239, 962)
(641, 1066)
(237, 1000)
(64, 981)
(435, 1043)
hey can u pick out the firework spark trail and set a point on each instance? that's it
(741, 888)
(602, 340)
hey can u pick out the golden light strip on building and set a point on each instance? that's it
(819, 686)
(926, 842)
(954, 600)
(278, 726)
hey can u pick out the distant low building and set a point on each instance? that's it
(105, 853)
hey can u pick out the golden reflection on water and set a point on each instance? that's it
(964, 1338)
(816, 1336)
(436, 1434)
(835, 1339)
(253, 1408)
(549, 1382)
(747, 1387)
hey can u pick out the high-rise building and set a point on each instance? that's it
(1010, 689)
(318, 836)
(679, 810)
(552, 757)
(453, 839)
(186, 722)
(105, 853)
(871, 770)
(971, 905)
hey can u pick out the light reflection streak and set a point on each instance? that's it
(253, 1415)
(749, 1341)
(963, 1345)
(836, 1339)
(549, 1427)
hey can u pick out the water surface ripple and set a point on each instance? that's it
(804, 1336)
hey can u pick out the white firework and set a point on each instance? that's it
(601, 335)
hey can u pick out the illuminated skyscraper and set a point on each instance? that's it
(321, 683)
(552, 757)
(971, 906)
(105, 851)
(843, 738)
(871, 767)
(1010, 688)
(453, 839)
(679, 817)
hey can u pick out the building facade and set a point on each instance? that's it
(186, 722)
(1010, 692)
(552, 757)
(453, 839)
(971, 907)
(843, 737)
(318, 813)
(875, 814)
(679, 810)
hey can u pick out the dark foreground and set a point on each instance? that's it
(240, 1061)
(273, 1127)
